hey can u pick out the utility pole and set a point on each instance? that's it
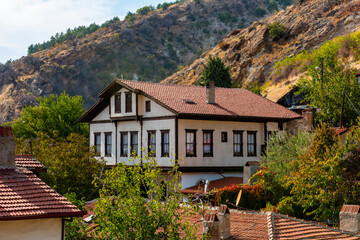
(342, 108)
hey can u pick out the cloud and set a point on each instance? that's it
(23, 22)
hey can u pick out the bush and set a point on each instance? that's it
(259, 12)
(276, 31)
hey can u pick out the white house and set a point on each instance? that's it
(211, 132)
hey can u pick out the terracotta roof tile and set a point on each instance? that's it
(350, 208)
(340, 130)
(229, 101)
(29, 162)
(215, 184)
(23, 195)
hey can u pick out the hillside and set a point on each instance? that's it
(252, 54)
(145, 47)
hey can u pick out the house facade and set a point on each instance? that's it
(209, 132)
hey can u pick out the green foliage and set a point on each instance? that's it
(71, 34)
(71, 167)
(215, 71)
(276, 31)
(54, 113)
(257, 89)
(259, 12)
(145, 10)
(140, 202)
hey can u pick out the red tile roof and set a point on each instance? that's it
(215, 184)
(29, 162)
(350, 208)
(229, 102)
(25, 196)
(340, 130)
(5, 131)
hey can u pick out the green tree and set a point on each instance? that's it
(140, 202)
(276, 31)
(328, 78)
(54, 113)
(71, 167)
(215, 71)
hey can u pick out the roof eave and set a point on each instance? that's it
(55, 215)
(234, 118)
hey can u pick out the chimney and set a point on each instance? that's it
(211, 226)
(210, 92)
(250, 169)
(224, 219)
(7, 148)
(350, 218)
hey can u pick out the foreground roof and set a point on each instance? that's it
(186, 101)
(29, 162)
(25, 196)
(254, 225)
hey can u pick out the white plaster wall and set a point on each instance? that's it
(156, 109)
(103, 128)
(190, 179)
(32, 229)
(272, 126)
(103, 115)
(222, 151)
(123, 113)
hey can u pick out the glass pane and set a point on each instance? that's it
(251, 138)
(190, 137)
(207, 149)
(207, 138)
(190, 148)
(166, 137)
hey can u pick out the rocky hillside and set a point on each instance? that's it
(145, 47)
(251, 53)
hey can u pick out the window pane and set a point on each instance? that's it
(117, 103)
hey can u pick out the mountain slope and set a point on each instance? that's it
(149, 47)
(252, 54)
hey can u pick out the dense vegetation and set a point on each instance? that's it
(215, 71)
(330, 81)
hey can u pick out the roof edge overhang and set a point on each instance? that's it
(54, 215)
(235, 118)
(94, 110)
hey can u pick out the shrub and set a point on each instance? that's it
(276, 31)
(259, 12)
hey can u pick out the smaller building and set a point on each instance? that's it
(29, 208)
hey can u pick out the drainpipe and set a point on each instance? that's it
(116, 143)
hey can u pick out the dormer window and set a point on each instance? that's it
(147, 106)
(118, 103)
(128, 102)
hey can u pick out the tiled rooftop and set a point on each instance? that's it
(29, 162)
(24, 196)
(215, 184)
(229, 101)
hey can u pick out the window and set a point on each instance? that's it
(128, 102)
(97, 142)
(147, 106)
(107, 144)
(118, 103)
(191, 143)
(165, 143)
(251, 144)
(238, 143)
(134, 143)
(224, 137)
(208, 143)
(151, 143)
(123, 144)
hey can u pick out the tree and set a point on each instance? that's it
(141, 202)
(71, 167)
(215, 71)
(54, 113)
(330, 83)
(276, 31)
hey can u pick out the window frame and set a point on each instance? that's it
(122, 153)
(108, 154)
(148, 106)
(193, 131)
(132, 134)
(151, 149)
(224, 137)
(241, 153)
(96, 145)
(117, 103)
(163, 153)
(211, 144)
(128, 102)
(254, 133)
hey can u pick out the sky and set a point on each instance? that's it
(25, 22)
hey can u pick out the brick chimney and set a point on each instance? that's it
(210, 92)
(224, 219)
(211, 226)
(7, 148)
(350, 218)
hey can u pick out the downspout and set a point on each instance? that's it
(265, 133)
(141, 126)
(116, 143)
(176, 141)
(63, 229)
